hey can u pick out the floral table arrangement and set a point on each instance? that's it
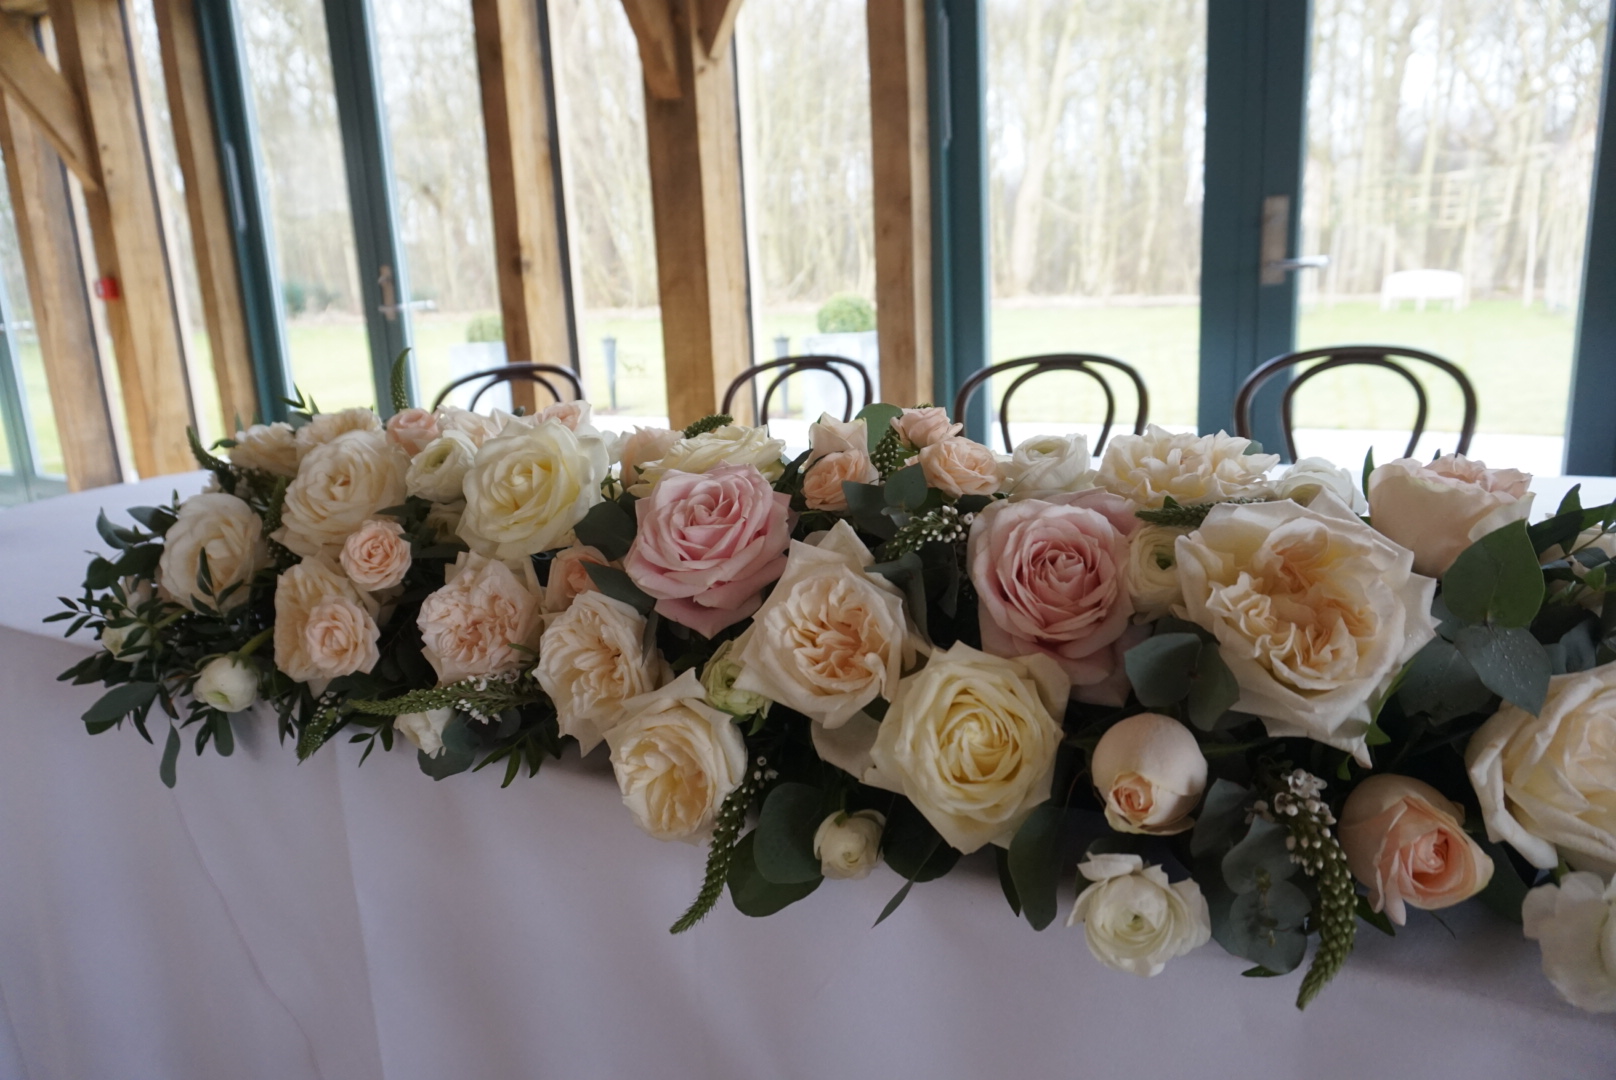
(1213, 698)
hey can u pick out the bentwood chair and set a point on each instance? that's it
(1084, 363)
(787, 366)
(1339, 356)
(534, 373)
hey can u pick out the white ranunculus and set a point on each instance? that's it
(1152, 571)
(731, 444)
(1048, 465)
(970, 739)
(676, 759)
(1148, 468)
(719, 679)
(1438, 510)
(326, 427)
(325, 625)
(831, 638)
(231, 534)
(1575, 924)
(270, 448)
(228, 684)
(593, 657)
(1304, 480)
(848, 846)
(529, 487)
(438, 472)
(1314, 612)
(1547, 783)
(339, 485)
(424, 729)
(1134, 919)
(1149, 771)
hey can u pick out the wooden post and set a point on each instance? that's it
(694, 146)
(45, 96)
(901, 168)
(522, 185)
(208, 208)
(42, 206)
(93, 42)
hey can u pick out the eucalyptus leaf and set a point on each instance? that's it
(1264, 926)
(892, 905)
(1261, 854)
(1497, 579)
(1161, 668)
(171, 757)
(906, 488)
(784, 844)
(912, 848)
(619, 586)
(1001, 860)
(1441, 684)
(1213, 690)
(751, 892)
(1223, 810)
(459, 748)
(608, 527)
(1035, 864)
(1510, 661)
(877, 419)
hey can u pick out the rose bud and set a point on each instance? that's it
(849, 845)
(1150, 772)
(228, 684)
(1404, 840)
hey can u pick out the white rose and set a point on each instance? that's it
(438, 472)
(1313, 610)
(424, 729)
(481, 620)
(830, 638)
(1150, 772)
(848, 846)
(970, 739)
(475, 426)
(1575, 923)
(339, 485)
(1152, 571)
(325, 627)
(1048, 465)
(1304, 480)
(640, 446)
(228, 684)
(529, 487)
(229, 532)
(270, 448)
(676, 759)
(1134, 919)
(326, 427)
(1546, 782)
(1149, 468)
(593, 657)
(731, 444)
(1438, 510)
(718, 678)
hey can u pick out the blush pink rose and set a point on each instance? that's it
(570, 414)
(1405, 841)
(708, 543)
(412, 429)
(484, 621)
(1051, 580)
(376, 556)
(922, 427)
(959, 466)
(569, 576)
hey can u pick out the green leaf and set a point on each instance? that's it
(157, 519)
(459, 749)
(1497, 579)
(1261, 853)
(1441, 684)
(1260, 972)
(1368, 469)
(1213, 690)
(784, 838)
(171, 756)
(1223, 810)
(1035, 864)
(1001, 860)
(892, 905)
(112, 534)
(1264, 925)
(1510, 661)
(751, 892)
(619, 586)
(906, 488)
(608, 527)
(119, 702)
(224, 739)
(912, 848)
(1374, 918)
(1505, 892)
(1161, 668)
(878, 419)
(399, 382)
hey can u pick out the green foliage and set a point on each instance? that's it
(878, 419)
(486, 326)
(608, 527)
(1509, 661)
(1497, 579)
(889, 454)
(708, 423)
(1034, 864)
(619, 586)
(783, 847)
(1440, 683)
(458, 752)
(752, 893)
(845, 313)
(399, 382)
(943, 525)
(1176, 516)
(723, 851)
(1180, 666)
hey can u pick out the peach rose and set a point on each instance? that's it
(412, 429)
(574, 415)
(593, 657)
(641, 446)
(324, 626)
(1438, 510)
(922, 427)
(708, 544)
(1151, 773)
(225, 529)
(481, 619)
(569, 576)
(837, 452)
(377, 556)
(326, 427)
(1404, 840)
(270, 448)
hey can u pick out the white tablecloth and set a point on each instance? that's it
(266, 919)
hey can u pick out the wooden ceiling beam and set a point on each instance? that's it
(653, 25)
(716, 21)
(28, 78)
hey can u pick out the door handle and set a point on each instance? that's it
(1276, 222)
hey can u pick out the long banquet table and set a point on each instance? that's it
(275, 920)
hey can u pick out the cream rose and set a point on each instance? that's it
(325, 627)
(676, 759)
(1147, 469)
(476, 427)
(1547, 783)
(1134, 919)
(326, 427)
(718, 679)
(1575, 924)
(731, 444)
(1150, 772)
(229, 532)
(922, 427)
(1314, 612)
(438, 472)
(270, 448)
(412, 429)
(228, 684)
(377, 556)
(424, 729)
(593, 657)
(528, 487)
(838, 453)
(1438, 510)
(1405, 840)
(1304, 480)
(339, 485)
(970, 739)
(640, 446)
(958, 466)
(848, 846)
(1049, 465)
(569, 576)
(481, 619)
(831, 638)
(1152, 571)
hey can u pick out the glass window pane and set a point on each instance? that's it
(1450, 153)
(28, 390)
(1096, 125)
(601, 102)
(288, 65)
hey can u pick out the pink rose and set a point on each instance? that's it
(1051, 580)
(570, 414)
(569, 576)
(708, 543)
(644, 445)
(1438, 510)
(472, 625)
(838, 451)
(412, 429)
(958, 466)
(922, 427)
(1404, 840)
(376, 556)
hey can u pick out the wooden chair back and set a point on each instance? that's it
(1089, 364)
